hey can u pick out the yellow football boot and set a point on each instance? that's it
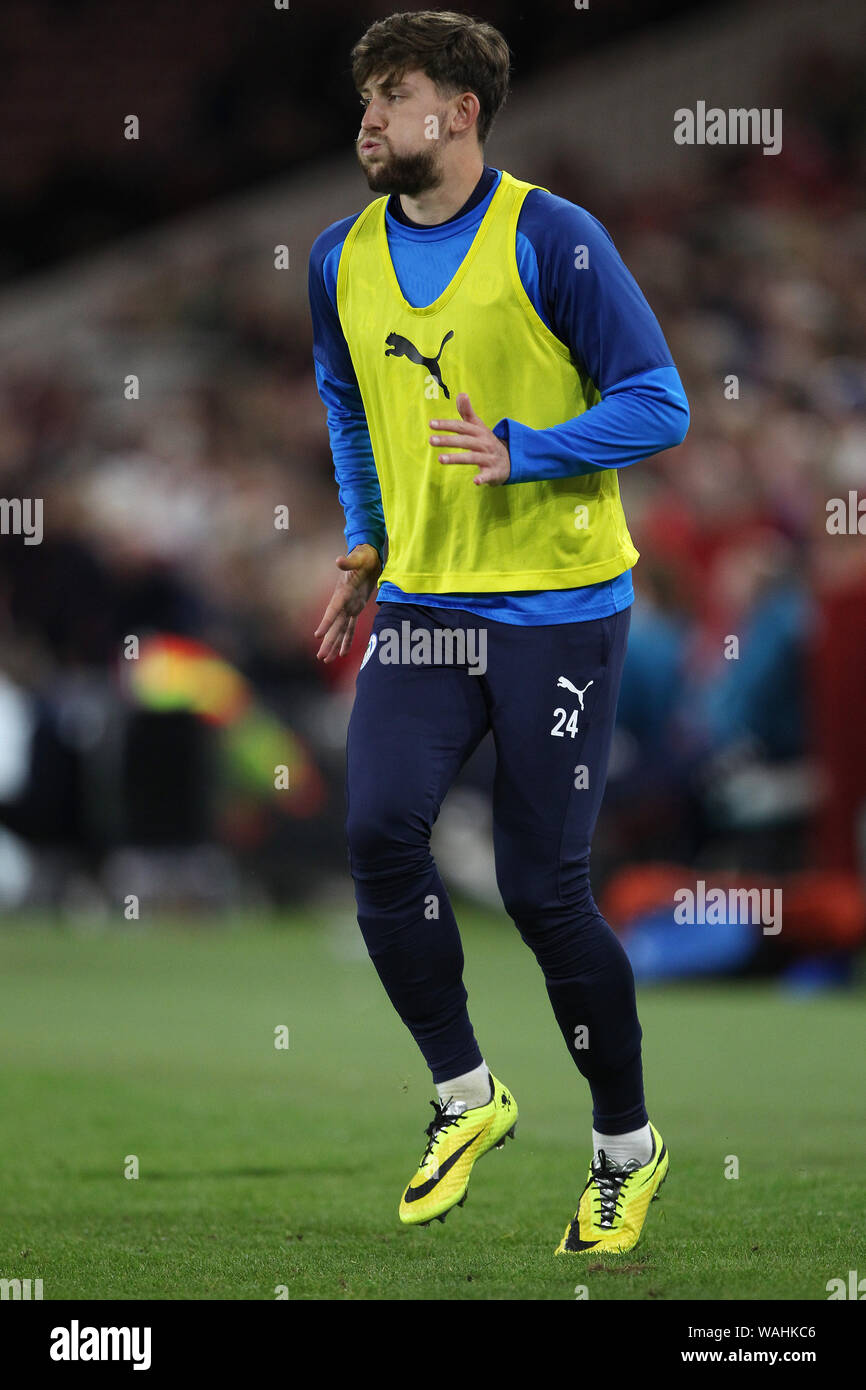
(613, 1205)
(454, 1143)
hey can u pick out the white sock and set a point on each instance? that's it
(466, 1092)
(638, 1143)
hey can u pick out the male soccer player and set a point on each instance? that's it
(487, 363)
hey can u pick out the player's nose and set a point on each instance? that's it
(371, 119)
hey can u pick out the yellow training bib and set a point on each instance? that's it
(483, 336)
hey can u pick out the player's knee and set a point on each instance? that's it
(538, 899)
(526, 894)
(378, 835)
(366, 835)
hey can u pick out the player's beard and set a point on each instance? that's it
(409, 174)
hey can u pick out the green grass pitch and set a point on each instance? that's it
(262, 1167)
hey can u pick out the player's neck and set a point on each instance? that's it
(436, 205)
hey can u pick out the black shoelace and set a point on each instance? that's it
(609, 1178)
(440, 1121)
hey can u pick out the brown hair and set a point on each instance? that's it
(456, 51)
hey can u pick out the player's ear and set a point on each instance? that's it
(466, 112)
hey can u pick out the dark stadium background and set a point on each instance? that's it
(155, 257)
(182, 978)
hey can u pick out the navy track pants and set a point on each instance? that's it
(549, 694)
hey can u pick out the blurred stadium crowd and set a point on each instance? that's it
(160, 524)
(230, 94)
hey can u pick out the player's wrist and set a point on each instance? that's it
(369, 553)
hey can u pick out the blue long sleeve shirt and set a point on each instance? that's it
(596, 310)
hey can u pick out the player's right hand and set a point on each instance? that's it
(361, 569)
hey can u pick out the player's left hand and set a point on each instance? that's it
(478, 445)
